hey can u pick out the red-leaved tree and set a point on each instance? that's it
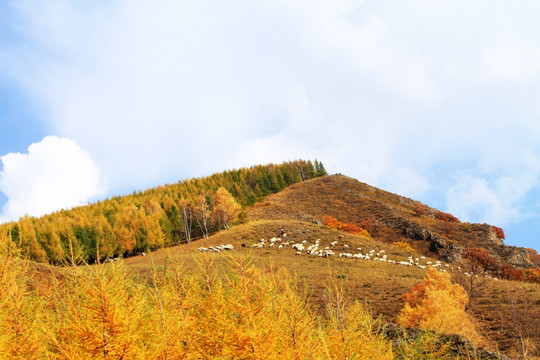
(477, 262)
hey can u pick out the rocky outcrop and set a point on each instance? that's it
(490, 234)
(514, 255)
(446, 250)
(409, 229)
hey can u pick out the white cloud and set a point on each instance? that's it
(497, 202)
(510, 58)
(474, 199)
(406, 181)
(54, 174)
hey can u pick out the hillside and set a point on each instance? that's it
(508, 311)
(380, 285)
(388, 217)
(300, 210)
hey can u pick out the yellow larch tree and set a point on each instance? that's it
(226, 208)
(438, 304)
(101, 314)
(21, 308)
(350, 331)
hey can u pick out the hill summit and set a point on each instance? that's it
(388, 218)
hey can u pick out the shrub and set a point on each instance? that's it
(351, 228)
(498, 232)
(439, 215)
(404, 245)
(479, 259)
(532, 275)
(511, 273)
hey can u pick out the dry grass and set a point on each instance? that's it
(379, 285)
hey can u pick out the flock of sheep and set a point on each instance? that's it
(316, 250)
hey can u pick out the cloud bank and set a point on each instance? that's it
(54, 174)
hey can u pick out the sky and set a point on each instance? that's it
(434, 100)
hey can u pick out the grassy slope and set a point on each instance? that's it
(352, 201)
(378, 284)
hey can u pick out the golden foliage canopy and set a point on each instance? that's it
(440, 305)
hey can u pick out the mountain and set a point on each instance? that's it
(501, 306)
(388, 218)
(300, 204)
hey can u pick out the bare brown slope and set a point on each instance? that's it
(393, 218)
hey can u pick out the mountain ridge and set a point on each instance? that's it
(390, 217)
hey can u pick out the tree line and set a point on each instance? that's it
(152, 219)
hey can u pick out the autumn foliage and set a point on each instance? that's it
(350, 228)
(420, 209)
(531, 275)
(404, 245)
(511, 273)
(150, 220)
(439, 215)
(479, 259)
(438, 304)
(533, 254)
(498, 232)
(240, 312)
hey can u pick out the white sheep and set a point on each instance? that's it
(298, 246)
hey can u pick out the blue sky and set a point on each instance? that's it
(434, 100)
